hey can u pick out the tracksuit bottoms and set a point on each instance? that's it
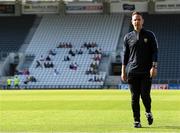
(140, 86)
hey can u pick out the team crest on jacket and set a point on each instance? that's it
(145, 40)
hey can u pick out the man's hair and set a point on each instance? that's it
(136, 13)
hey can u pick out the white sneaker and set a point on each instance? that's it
(149, 117)
(137, 124)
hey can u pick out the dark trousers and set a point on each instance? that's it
(140, 85)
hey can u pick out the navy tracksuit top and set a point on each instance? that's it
(139, 51)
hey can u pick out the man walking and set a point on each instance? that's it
(140, 51)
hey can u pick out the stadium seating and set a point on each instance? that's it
(13, 32)
(167, 29)
(104, 30)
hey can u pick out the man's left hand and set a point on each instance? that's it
(153, 72)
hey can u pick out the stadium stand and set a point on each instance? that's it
(103, 30)
(167, 29)
(106, 31)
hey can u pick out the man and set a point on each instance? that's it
(140, 54)
(8, 83)
(16, 82)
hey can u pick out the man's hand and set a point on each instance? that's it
(153, 72)
(123, 73)
(123, 77)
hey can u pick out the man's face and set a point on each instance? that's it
(137, 22)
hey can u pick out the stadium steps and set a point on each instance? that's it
(28, 60)
(105, 64)
(30, 34)
(124, 30)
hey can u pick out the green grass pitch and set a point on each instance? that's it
(85, 111)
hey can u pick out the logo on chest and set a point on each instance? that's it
(145, 40)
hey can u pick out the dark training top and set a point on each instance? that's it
(139, 51)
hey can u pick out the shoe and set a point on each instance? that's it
(137, 124)
(149, 118)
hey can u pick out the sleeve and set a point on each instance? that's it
(125, 53)
(154, 48)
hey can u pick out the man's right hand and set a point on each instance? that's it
(124, 77)
(123, 73)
